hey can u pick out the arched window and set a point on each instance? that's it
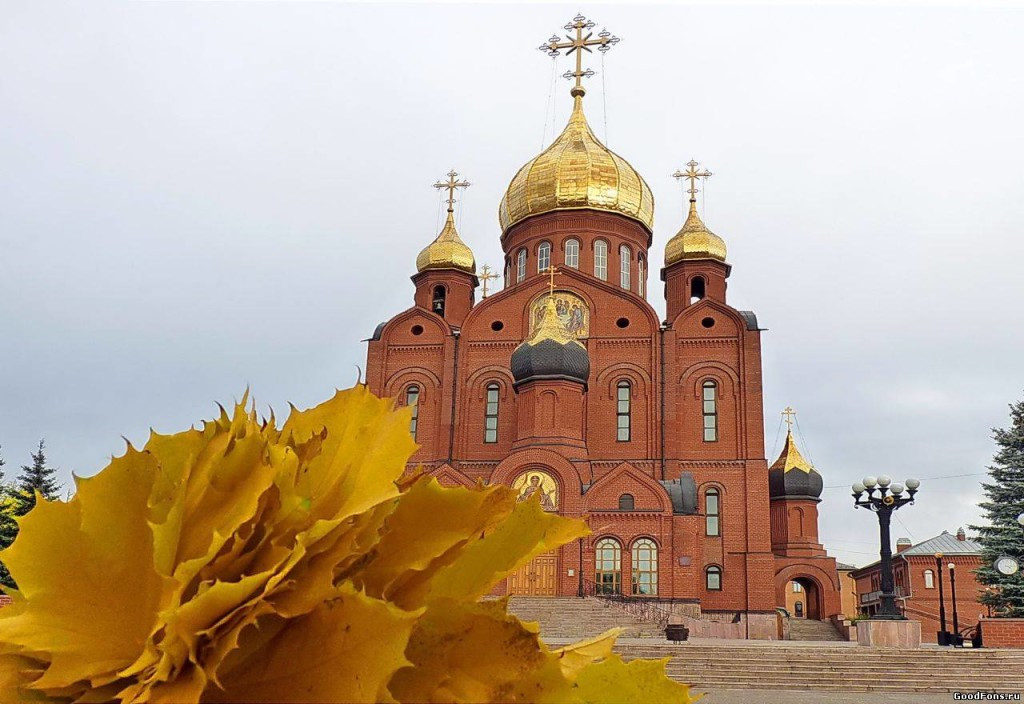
(622, 411)
(438, 302)
(412, 399)
(697, 286)
(508, 268)
(520, 266)
(491, 414)
(929, 579)
(710, 390)
(608, 566)
(713, 578)
(625, 262)
(626, 502)
(645, 567)
(712, 512)
(641, 275)
(543, 256)
(601, 260)
(572, 253)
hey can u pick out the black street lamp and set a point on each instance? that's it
(883, 497)
(943, 636)
(952, 594)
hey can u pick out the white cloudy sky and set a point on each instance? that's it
(196, 197)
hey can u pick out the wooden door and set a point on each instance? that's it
(536, 578)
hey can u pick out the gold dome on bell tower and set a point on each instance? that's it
(694, 240)
(448, 251)
(577, 171)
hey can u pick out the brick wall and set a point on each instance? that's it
(1002, 632)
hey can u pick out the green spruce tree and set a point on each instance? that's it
(36, 477)
(1005, 502)
(8, 526)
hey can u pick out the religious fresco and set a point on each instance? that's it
(572, 311)
(537, 483)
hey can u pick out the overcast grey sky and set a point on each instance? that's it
(196, 197)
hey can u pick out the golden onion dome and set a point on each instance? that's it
(577, 172)
(694, 241)
(447, 251)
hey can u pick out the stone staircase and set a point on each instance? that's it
(849, 668)
(809, 629)
(573, 618)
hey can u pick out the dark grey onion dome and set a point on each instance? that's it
(550, 352)
(793, 477)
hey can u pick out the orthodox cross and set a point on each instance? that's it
(451, 184)
(551, 271)
(486, 275)
(605, 40)
(788, 413)
(692, 174)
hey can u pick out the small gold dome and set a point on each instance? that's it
(577, 172)
(447, 251)
(694, 241)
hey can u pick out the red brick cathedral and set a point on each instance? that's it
(566, 386)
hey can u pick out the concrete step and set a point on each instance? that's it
(809, 629)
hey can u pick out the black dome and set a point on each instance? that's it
(550, 359)
(795, 483)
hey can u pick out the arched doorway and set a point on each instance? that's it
(803, 598)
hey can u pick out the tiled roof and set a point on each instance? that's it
(945, 543)
(844, 566)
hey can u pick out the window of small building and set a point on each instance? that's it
(713, 578)
(645, 567)
(712, 513)
(572, 253)
(608, 566)
(412, 399)
(929, 579)
(491, 414)
(623, 411)
(601, 260)
(710, 392)
(797, 588)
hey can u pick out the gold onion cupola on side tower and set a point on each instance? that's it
(694, 240)
(448, 251)
(577, 171)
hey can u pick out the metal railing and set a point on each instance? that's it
(898, 592)
(641, 607)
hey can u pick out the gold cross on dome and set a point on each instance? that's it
(605, 41)
(551, 271)
(485, 274)
(451, 184)
(692, 174)
(789, 413)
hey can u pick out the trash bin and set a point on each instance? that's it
(677, 632)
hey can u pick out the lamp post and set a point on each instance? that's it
(943, 636)
(883, 497)
(952, 594)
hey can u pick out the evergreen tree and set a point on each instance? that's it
(1004, 535)
(8, 526)
(36, 477)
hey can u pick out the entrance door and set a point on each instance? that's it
(535, 578)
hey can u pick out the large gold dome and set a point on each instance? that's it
(694, 241)
(447, 251)
(576, 172)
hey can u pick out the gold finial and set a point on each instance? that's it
(551, 271)
(485, 274)
(605, 41)
(451, 184)
(788, 413)
(692, 174)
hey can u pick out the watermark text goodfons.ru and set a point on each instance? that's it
(986, 696)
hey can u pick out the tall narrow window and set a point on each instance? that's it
(438, 302)
(696, 289)
(601, 260)
(572, 253)
(520, 266)
(641, 273)
(623, 411)
(929, 579)
(608, 566)
(491, 414)
(412, 399)
(625, 262)
(710, 390)
(543, 256)
(713, 578)
(645, 567)
(712, 513)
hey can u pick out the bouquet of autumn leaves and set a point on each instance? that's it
(239, 562)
